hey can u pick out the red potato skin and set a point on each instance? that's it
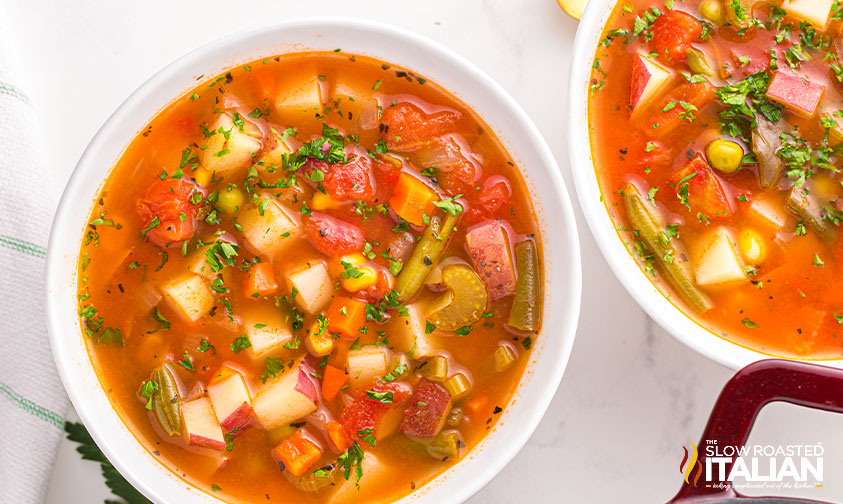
(409, 129)
(705, 193)
(207, 443)
(428, 408)
(238, 418)
(365, 413)
(640, 78)
(673, 33)
(488, 247)
(797, 93)
(332, 236)
(167, 199)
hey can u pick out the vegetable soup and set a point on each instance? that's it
(314, 278)
(716, 131)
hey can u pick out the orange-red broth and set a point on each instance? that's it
(120, 274)
(790, 304)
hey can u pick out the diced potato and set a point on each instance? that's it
(649, 79)
(815, 12)
(278, 402)
(409, 331)
(719, 262)
(375, 475)
(354, 100)
(428, 410)
(199, 265)
(273, 156)
(299, 97)
(768, 213)
(313, 286)
(225, 155)
(231, 400)
(796, 92)
(201, 427)
(268, 233)
(267, 332)
(189, 296)
(365, 365)
(490, 252)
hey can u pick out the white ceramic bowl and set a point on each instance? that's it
(518, 134)
(639, 285)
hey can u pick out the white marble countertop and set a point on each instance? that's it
(631, 396)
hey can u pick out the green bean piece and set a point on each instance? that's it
(526, 310)
(435, 368)
(445, 445)
(648, 221)
(313, 481)
(425, 255)
(765, 143)
(166, 402)
(505, 357)
(698, 62)
(810, 210)
(458, 386)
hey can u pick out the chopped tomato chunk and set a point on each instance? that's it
(167, 211)
(704, 191)
(370, 411)
(346, 181)
(408, 128)
(681, 105)
(672, 35)
(487, 202)
(333, 236)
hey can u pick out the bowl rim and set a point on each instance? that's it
(81, 395)
(681, 326)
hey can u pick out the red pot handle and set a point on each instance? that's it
(740, 401)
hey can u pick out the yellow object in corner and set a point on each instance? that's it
(573, 8)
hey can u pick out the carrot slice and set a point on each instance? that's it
(333, 381)
(475, 406)
(412, 199)
(338, 437)
(346, 316)
(261, 281)
(297, 453)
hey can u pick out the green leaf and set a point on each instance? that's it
(118, 485)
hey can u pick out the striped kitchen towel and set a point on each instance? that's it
(32, 398)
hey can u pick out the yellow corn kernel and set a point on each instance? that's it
(752, 245)
(354, 276)
(319, 341)
(231, 201)
(322, 201)
(366, 279)
(202, 176)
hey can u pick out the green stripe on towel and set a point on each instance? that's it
(10, 90)
(31, 407)
(23, 246)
